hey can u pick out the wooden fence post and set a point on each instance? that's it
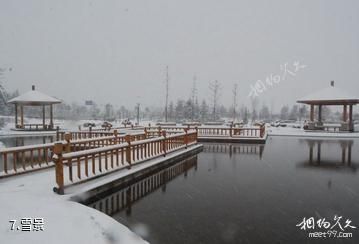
(196, 133)
(115, 133)
(68, 137)
(186, 137)
(262, 131)
(145, 133)
(57, 133)
(164, 143)
(90, 132)
(59, 168)
(128, 150)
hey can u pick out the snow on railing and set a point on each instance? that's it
(24, 159)
(211, 131)
(79, 166)
(77, 135)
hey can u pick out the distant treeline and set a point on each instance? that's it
(178, 111)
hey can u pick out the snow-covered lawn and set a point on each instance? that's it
(288, 131)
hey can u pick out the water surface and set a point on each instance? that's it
(235, 193)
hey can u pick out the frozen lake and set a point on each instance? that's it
(232, 193)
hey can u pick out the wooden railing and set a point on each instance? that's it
(95, 132)
(232, 132)
(130, 127)
(79, 166)
(205, 131)
(35, 127)
(23, 159)
(77, 135)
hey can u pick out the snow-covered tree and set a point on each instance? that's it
(264, 114)
(204, 111)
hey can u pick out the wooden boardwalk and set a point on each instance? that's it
(83, 156)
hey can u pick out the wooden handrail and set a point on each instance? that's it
(208, 131)
(23, 159)
(87, 164)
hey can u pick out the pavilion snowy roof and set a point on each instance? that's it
(34, 97)
(330, 95)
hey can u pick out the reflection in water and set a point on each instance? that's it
(319, 157)
(136, 189)
(238, 148)
(241, 194)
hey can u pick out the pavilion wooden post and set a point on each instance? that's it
(319, 113)
(43, 116)
(345, 113)
(351, 127)
(22, 116)
(51, 117)
(312, 112)
(16, 115)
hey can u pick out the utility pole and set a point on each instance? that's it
(167, 86)
(235, 102)
(138, 113)
(193, 97)
(214, 88)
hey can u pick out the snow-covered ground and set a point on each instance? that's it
(31, 196)
(65, 221)
(289, 131)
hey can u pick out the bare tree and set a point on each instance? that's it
(214, 88)
(254, 102)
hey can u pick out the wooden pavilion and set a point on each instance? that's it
(34, 98)
(331, 96)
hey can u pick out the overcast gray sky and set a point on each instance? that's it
(116, 51)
